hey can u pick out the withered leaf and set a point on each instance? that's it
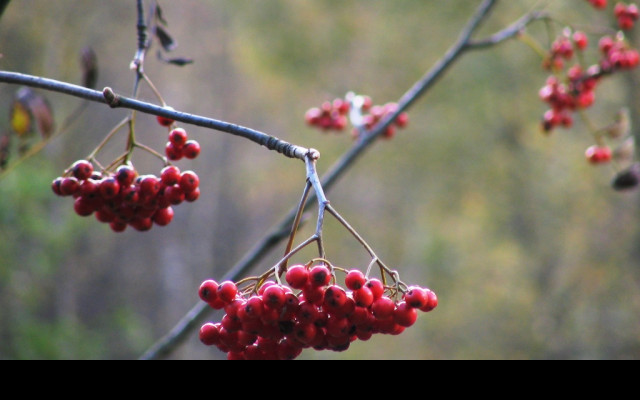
(20, 117)
(160, 16)
(179, 61)
(5, 144)
(89, 65)
(167, 42)
(39, 109)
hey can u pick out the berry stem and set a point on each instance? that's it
(296, 225)
(107, 138)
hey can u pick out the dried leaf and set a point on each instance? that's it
(160, 16)
(179, 61)
(167, 42)
(39, 110)
(89, 64)
(628, 179)
(20, 118)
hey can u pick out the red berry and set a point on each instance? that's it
(178, 137)
(118, 226)
(405, 315)
(274, 297)
(82, 169)
(210, 334)
(416, 297)
(149, 186)
(174, 194)
(163, 216)
(383, 308)
(355, 279)
(432, 301)
(192, 195)
(227, 291)
(376, 287)
(170, 175)
(297, 276)
(173, 152)
(189, 181)
(82, 207)
(363, 297)
(109, 188)
(599, 154)
(69, 186)
(319, 276)
(55, 186)
(334, 298)
(191, 149)
(581, 40)
(125, 175)
(208, 291)
(141, 224)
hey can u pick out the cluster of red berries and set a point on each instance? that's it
(333, 116)
(125, 198)
(627, 15)
(180, 146)
(275, 322)
(577, 90)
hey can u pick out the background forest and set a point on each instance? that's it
(531, 252)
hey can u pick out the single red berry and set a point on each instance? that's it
(288, 350)
(312, 116)
(163, 216)
(82, 207)
(319, 276)
(334, 298)
(274, 297)
(191, 149)
(118, 226)
(174, 194)
(141, 224)
(376, 287)
(178, 137)
(173, 152)
(82, 169)
(581, 40)
(355, 279)
(189, 181)
(210, 334)
(125, 175)
(383, 308)
(55, 186)
(405, 315)
(192, 195)
(227, 291)
(208, 291)
(170, 175)
(363, 297)
(109, 188)
(149, 186)
(599, 154)
(432, 301)
(253, 309)
(297, 276)
(416, 297)
(69, 186)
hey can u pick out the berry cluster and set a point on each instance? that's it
(576, 89)
(124, 197)
(333, 116)
(277, 321)
(180, 146)
(627, 15)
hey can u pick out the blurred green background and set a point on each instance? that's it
(533, 256)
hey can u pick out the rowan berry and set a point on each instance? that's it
(319, 276)
(82, 170)
(227, 291)
(189, 181)
(297, 276)
(355, 279)
(191, 149)
(178, 137)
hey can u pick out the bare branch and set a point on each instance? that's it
(107, 96)
(507, 33)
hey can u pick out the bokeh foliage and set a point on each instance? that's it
(532, 254)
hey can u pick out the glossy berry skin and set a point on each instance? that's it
(191, 149)
(82, 169)
(164, 121)
(405, 315)
(178, 137)
(109, 188)
(319, 276)
(376, 287)
(189, 181)
(355, 279)
(297, 276)
(125, 175)
(163, 217)
(173, 152)
(432, 301)
(210, 334)
(69, 186)
(227, 291)
(363, 297)
(274, 297)
(383, 308)
(208, 291)
(416, 297)
(170, 175)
